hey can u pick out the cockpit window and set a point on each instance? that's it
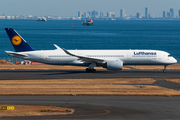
(169, 56)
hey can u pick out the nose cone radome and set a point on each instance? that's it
(174, 60)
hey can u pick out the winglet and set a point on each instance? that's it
(58, 48)
(67, 52)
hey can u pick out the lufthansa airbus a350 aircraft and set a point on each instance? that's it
(110, 59)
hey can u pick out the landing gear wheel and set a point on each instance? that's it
(93, 70)
(88, 70)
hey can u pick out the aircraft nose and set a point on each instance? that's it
(174, 60)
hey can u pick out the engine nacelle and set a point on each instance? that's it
(114, 65)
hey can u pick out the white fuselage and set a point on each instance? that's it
(109, 59)
(129, 57)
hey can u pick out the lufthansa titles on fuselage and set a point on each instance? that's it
(143, 54)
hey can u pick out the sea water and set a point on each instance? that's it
(104, 34)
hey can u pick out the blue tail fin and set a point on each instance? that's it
(17, 41)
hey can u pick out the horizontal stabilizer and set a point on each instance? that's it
(15, 54)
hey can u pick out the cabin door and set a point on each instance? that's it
(42, 56)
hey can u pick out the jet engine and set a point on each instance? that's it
(114, 65)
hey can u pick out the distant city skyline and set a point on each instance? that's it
(169, 15)
(71, 7)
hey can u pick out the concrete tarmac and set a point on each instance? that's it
(103, 107)
(100, 107)
(72, 74)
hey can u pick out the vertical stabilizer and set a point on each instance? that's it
(17, 41)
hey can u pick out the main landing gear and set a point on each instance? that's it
(164, 71)
(90, 70)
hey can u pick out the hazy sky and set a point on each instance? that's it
(71, 7)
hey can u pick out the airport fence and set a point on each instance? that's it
(11, 59)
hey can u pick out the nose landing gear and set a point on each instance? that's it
(164, 71)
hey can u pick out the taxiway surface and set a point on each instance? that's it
(103, 107)
(75, 74)
(98, 107)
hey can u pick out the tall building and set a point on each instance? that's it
(146, 12)
(164, 14)
(169, 15)
(79, 14)
(94, 13)
(89, 13)
(149, 15)
(122, 13)
(137, 15)
(172, 12)
(101, 14)
(110, 14)
(86, 14)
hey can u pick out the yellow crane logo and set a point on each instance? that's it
(16, 40)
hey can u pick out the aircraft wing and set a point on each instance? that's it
(84, 58)
(16, 54)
